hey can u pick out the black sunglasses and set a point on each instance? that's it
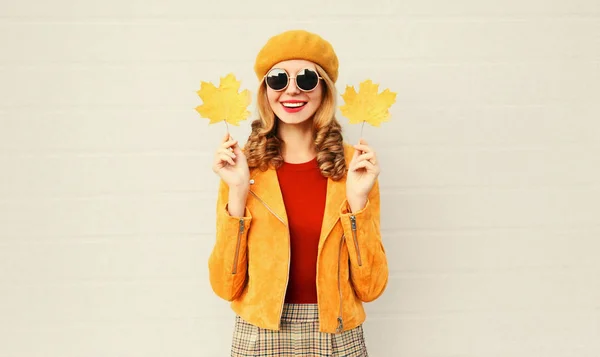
(306, 79)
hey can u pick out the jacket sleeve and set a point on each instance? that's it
(228, 261)
(368, 262)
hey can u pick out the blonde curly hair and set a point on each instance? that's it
(263, 148)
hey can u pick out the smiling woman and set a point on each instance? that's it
(298, 247)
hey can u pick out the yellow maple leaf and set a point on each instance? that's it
(224, 103)
(367, 105)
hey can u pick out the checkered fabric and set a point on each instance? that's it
(299, 336)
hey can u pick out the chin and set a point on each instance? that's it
(295, 118)
(292, 119)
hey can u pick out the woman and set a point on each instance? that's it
(298, 247)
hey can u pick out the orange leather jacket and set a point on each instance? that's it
(249, 263)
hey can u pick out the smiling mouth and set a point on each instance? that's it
(294, 105)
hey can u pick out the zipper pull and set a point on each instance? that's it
(353, 222)
(340, 324)
(241, 225)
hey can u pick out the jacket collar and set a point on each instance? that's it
(265, 186)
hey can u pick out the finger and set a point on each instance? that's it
(225, 138)
(363, 148)
(237, 149)
(226, 152)
(229, 141)
(370, 156)
(230, 144)
(362, 141)
(227, 159)
(367, 165)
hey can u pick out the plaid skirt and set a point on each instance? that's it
(299, 336)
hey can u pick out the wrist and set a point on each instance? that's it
(239, 191)
(357, 203)
(237, 201)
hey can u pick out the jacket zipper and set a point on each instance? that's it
(289, 251)
(269, 208)
(340, 320)
(237, 247)
(353, 222)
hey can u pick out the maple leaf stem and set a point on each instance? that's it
(361, 128)
(227, 126)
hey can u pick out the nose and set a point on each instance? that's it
(292, 88)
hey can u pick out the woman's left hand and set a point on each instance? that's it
(362, 174)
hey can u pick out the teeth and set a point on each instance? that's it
(293, 105)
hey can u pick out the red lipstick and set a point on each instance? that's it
(294, 106)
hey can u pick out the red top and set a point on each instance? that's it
(304, 189)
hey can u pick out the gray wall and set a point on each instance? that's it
(490, 172)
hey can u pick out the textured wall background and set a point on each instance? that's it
(490, 182)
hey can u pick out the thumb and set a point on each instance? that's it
(225, 138)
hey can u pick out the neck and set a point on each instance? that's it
(298, 142)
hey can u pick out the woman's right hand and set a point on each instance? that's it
(231, 165)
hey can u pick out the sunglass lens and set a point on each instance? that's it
(307, 79)
(277, 79)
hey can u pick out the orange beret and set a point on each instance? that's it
(297, 44)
